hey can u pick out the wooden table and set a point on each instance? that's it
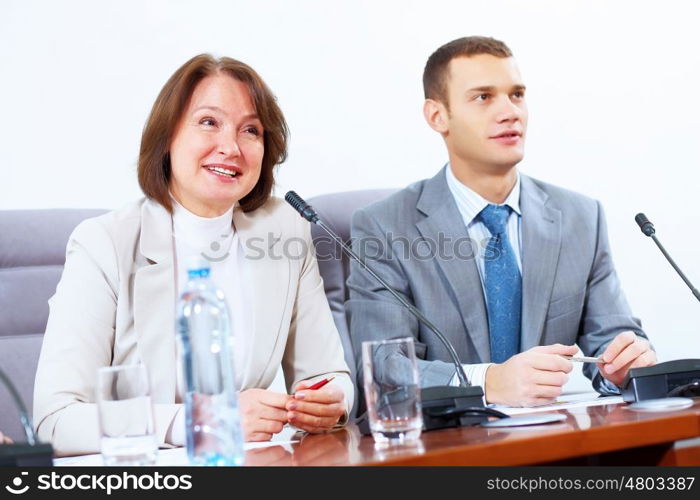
(599, 435)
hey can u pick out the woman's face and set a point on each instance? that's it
(217, 150)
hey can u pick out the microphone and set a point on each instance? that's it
(648, 229)
(442, 406)
(31, 454)
(305, 210)
(644, 224)
(679, 377)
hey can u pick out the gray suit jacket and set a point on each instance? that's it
(416, 239)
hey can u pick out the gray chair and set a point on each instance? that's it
(32, 254)
(336, 210)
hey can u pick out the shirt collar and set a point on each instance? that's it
(470, 203)
(201, 231)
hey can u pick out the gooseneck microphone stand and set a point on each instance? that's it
(679, 377)
(443, 406)
(32, 453)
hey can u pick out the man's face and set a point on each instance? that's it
(487, 118)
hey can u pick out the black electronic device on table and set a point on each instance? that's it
(677, 378)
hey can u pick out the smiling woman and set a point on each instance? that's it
(206, 166)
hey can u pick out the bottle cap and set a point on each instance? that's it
(198, 267)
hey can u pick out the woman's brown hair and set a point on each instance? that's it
(154, 159)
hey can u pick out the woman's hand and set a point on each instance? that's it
(316, 410)
(4, 439)
(263, 413)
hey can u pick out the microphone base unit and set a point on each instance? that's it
(446, 407)
(25, 455)
(680, 377)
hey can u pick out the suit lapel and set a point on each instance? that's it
(541, 244)
(443, 216)
(269, 272)
(154, 301)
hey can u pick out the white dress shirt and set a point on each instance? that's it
(470, 204)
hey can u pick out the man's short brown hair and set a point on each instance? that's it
(154, 168)
(436, 72)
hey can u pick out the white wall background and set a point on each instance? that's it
(613, 90)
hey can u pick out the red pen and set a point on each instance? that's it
(320, 384)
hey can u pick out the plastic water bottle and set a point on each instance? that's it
(212, 418)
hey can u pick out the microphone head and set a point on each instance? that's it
(295, 201)
(304, 209)
(644, 224)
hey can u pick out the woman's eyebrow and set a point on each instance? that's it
(250, 116)
(212, 108)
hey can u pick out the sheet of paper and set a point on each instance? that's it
(178, 456)
(564, 402)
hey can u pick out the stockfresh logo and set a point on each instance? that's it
(17, 488)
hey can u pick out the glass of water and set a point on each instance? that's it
(392, 390)
(125, 413)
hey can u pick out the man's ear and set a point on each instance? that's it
(436, 114)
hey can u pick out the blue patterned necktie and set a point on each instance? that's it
(503, 285)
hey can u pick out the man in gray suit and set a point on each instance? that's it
(514, 271)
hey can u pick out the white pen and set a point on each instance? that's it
(584, 359)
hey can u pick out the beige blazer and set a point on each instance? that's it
(115, 304)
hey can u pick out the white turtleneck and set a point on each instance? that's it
(216, 240)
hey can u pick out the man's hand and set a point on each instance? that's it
(626, 351)
(263, 413)
(532, 378)
(316, 410)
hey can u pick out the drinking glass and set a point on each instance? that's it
(392, 390)
(125, 414)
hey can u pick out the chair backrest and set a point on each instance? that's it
(32, 254)
(336, 210)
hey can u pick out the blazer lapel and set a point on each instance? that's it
(154, 301)
(443, 217)
(269, 272)
(541, 244)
